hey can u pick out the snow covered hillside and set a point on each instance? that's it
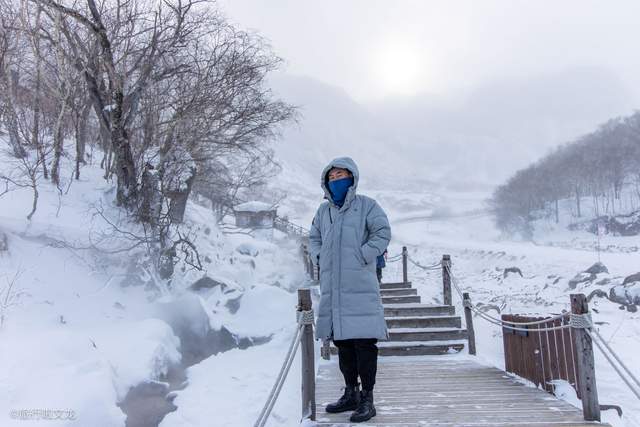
(550, 273)
(88, 329)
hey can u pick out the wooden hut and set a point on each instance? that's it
(255, 215)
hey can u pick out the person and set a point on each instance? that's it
(347, 234)
(380, 264)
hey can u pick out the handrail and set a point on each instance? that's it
(584, 336)
(304, 336)
(288, 227)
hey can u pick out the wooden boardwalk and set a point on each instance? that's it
(425, 379)
(443, 391)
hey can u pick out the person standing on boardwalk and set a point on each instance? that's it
(349, 231)
(381, 262)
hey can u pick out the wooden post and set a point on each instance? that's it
(585, 362)
(469, 322)
(446, 280)
(305, 257)
(405, 274)
(311, 267)
(308, 362)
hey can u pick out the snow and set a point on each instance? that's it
(89, 325)
(256, 314)
(90, 321)
(253, 206)
(229, 389)
(480, 254)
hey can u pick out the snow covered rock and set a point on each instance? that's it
(619, 225)
(207, 282)
(628, 292)
(247, 248)
(631, 279)
(597, 268)
(589, 275)
(508, 270)
(4, 242)
(582, 277)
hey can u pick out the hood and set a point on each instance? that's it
(345, 163)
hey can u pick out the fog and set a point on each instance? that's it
(462, 91)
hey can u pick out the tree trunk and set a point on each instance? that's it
(11, 117)
(150, 197)
(35, 131)
(58, 142)
(178, 203)
(81, 136)
(126, 193)
(578, 200)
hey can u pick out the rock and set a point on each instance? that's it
(247, 249)
(597, 293)
(581, 278)
(627, 293)
(233, 304)
(619, 225)
(207, 282)
(4, 242)
(632, 278)
(508, 270)
(597, 268)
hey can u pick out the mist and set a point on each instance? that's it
(458, 93)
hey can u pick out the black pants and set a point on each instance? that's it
(358, 357)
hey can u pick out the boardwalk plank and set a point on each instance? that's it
(412, 392)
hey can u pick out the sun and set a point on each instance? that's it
(397, 68)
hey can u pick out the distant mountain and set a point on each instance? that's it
(502, 126)
(331, 125)
(470, 141)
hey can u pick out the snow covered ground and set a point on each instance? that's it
(89, 323)
(479, 255)
(84, 321)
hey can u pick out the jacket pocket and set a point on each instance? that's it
(360, 256)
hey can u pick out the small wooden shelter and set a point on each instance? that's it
(255, 214)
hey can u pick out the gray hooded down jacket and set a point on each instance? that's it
(346, 241)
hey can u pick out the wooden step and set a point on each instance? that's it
(426, 334)
(408, 310)
(386, 348)
(424, 322)
(398, 292)
(395, 285)
(401, 299)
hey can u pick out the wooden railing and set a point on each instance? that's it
(538, 350)
(546, 352)
(290, 228)
(540, 357)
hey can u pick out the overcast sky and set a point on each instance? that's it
(377, 48)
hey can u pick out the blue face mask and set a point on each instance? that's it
(339, 189)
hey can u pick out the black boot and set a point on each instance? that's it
(365, 410)
(348, 402)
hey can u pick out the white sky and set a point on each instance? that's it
(375, 48)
